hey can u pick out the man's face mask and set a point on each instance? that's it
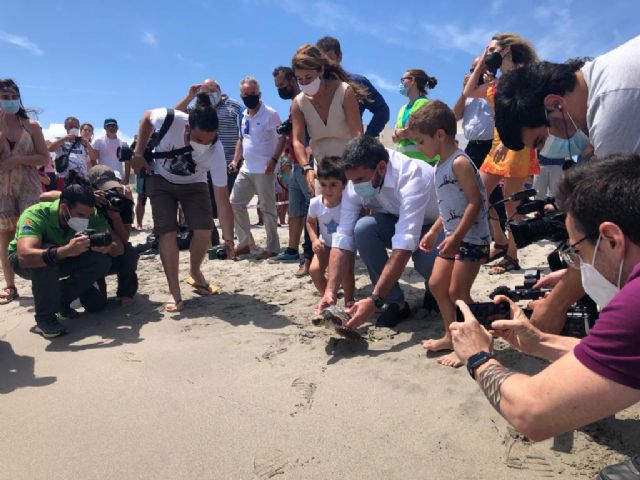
(366, 190)
(595, 284)
(556, 147)
(77, 224)
(285, 93)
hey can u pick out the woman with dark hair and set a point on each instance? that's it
(506, 51)
(22, 151)
(327, 107)
(414, 84)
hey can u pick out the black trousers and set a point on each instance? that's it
(125, 267)
(60, 284)
(478, 151)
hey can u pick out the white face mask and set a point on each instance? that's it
(74, 131)
(198, 148)
(77, 224)
(595, 284)
(311, 88)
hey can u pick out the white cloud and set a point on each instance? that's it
(453, 37)
(149, 38)
(22, 42)
(189, 61)
(382, 83)
(56, 130)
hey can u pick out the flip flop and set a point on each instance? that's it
(507, 264)
(202, 289)
(10, 294)
(499, 251)
(174, 307)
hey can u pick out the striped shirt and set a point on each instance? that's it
(229, 114)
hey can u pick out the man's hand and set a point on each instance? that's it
(310, 177)
(428, 241)
(547, 313)
(77, 246)
(326, 301)
(139, 163)
(469, 337)
(233, 167)
(449, 247)
(194, 89)
(360, 313)
(270, 168)
(551, 280)
(518, 331)
(317, 246)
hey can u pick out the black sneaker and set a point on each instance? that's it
(67, 313)
(392, 315)
(629, 470)
(50, 328)
(429, 303)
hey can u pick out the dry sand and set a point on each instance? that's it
(241, 386)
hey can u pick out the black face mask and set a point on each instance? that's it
(493, 61)
(251, 101)
(285, 93)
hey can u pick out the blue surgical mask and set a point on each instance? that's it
(366, 190)
(402, 90)
(556, 147)
(11, 106)
(215, 98)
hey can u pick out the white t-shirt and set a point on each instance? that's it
(78, 159)
(187, 168)
(328, 219)
(259, 138)
(108, 153)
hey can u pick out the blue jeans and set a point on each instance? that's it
(299, 199)
(373, 237)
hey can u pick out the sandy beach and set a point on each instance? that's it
(240, 385)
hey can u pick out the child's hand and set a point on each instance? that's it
(449, 247)
(428, 241)
(317, 246)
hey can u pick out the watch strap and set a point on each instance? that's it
(378, 301)
(476, 360)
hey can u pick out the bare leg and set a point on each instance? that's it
(349, 282)
(317, 271)
(491, 182)
(169, 255)
(200, 242)
(439, 287)
(296, 224)
(7, 270)
(140, 205)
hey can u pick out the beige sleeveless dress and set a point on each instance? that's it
(19, 187)
(327, 139)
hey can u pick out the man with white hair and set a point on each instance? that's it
(260, 147)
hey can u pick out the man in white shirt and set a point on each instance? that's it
(184, 155)
(401, 193)
(108, 146)
(260, 147)
(75, 150)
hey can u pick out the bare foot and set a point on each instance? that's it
(450, 360)
(437, 345)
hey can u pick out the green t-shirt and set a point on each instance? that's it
(42, 221)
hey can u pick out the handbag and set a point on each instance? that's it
(62, 162)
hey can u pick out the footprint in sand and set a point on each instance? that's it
(269, 465)
(525, 455)
(306, 390)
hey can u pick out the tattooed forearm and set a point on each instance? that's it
(491, 380)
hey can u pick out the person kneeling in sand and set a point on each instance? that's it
(322, 222)
(462, 201)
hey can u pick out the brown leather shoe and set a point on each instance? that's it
(242, 250)
(264, 255)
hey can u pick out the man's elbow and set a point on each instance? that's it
(532, 422)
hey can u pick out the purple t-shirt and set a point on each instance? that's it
(612, 348)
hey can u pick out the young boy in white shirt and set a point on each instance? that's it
(462, 203)
(322, 221)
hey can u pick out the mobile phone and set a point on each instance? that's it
(486, 312)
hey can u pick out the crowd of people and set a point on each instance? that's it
(570, 129)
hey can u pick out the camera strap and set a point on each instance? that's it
(166, 125)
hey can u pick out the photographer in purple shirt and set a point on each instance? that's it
(603, 221)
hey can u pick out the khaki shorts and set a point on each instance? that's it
(165, 196)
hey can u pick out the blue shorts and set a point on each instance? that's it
(140, 190)
(299, 197)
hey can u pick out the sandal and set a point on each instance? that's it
(173, 306)
(507, 264)
(8, 295)
(202, 289)
(499, 250)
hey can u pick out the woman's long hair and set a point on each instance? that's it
(522, 52)
(309, 57)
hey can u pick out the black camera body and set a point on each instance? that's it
(124, 153)
(545, 226)
(218, 252)
(524, 291)
(101, 239)
(284, 128)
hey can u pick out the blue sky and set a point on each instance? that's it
(116, 59)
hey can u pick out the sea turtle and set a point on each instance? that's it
(334, 318)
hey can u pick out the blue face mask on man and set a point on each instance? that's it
(556, 147)
(11, 106)
(366, 190)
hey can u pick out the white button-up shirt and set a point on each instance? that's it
(408, 192)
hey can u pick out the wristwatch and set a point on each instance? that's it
(306, 168)
(476, 360)
(378, 301)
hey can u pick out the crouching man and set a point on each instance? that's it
(52, 248)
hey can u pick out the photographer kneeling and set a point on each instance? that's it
(64, 239)
(603, 222)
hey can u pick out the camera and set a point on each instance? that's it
(486, 312)
(524, 291)
(217, 253)
(284, 128)
(115, 201)
(546, 226)
(102, 239)
(124, 153)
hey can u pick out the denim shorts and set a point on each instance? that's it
(299, 197)
(469, 252)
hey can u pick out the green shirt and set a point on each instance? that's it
(42, 221)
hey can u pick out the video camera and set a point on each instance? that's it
(114, 200)
(547, 225)
(124, 153)
(284, 128)
(102, 239)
